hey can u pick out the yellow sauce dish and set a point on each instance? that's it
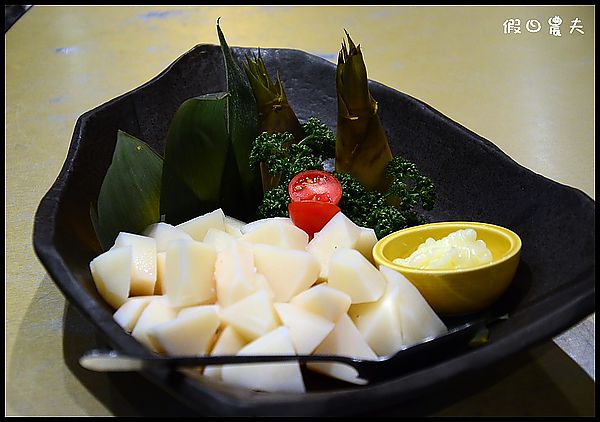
(454, 291)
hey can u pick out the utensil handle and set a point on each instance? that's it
(112, 361)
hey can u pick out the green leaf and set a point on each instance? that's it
(242, 123)
(94, 220)
(196, 154)
(130, 193)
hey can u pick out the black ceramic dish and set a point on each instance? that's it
(553, 288)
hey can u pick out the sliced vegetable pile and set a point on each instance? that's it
(216, 286)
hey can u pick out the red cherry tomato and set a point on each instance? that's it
(311, 216)
(315, 185)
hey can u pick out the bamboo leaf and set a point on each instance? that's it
(196, 157)
(129, 198)
(243, 129)
(95, 222)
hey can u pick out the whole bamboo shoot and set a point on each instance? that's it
(274, 112)
(362, 147)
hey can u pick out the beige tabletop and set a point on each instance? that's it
(530, 92)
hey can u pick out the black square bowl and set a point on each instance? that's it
(552, 290)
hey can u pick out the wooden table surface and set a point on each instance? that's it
(531, 93)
